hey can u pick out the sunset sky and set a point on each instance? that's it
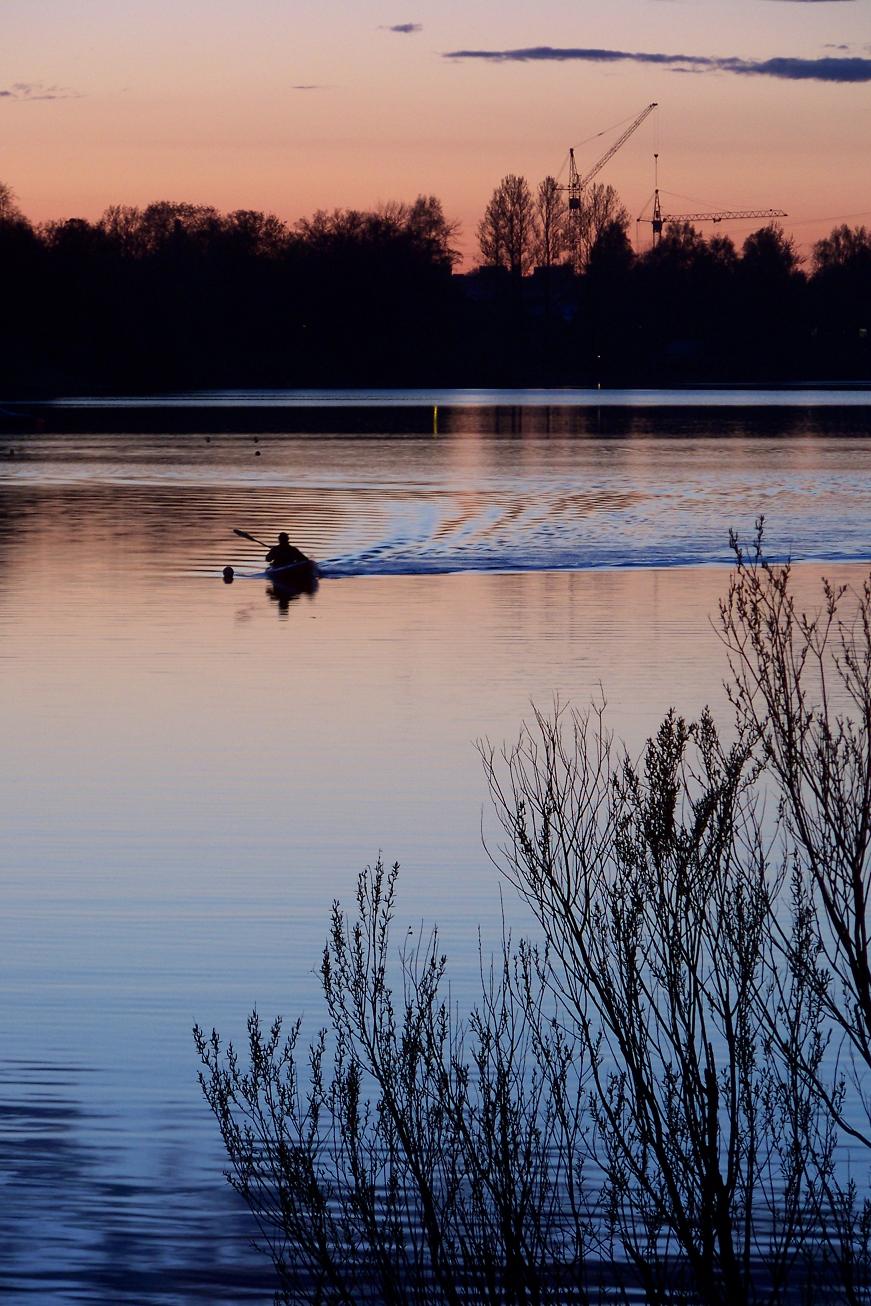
(293, 105)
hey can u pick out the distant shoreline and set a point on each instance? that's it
(407, 394)
(439, 411)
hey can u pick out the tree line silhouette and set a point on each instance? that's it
(182, 295)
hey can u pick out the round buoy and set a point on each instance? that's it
(228, 575)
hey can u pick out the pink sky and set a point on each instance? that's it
(197, 101)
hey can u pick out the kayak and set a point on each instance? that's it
(301, 577)
(295, 575)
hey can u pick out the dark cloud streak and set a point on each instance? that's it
(404, 29)
(828, 69)
(28, 91)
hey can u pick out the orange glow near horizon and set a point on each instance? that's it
(201, 103)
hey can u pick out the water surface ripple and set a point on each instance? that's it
(195, 770)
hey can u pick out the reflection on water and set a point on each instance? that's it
(76, 1224)
(486, 494)
(192, 781)
(565, 400)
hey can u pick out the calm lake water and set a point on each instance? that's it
(192, 771)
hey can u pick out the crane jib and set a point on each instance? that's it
(576, 182)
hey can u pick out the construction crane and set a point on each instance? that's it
(577, 183)
(659, 219)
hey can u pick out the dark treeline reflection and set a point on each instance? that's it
(180, 295)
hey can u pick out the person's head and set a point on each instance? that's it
(284, 538)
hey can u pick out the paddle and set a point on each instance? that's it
(252, 538)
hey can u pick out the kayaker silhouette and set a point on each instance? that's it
(284, 554)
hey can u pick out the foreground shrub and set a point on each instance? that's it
(648, 1100)
(654, 892)
(425, 1158)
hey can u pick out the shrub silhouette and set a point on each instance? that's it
(647, 1100)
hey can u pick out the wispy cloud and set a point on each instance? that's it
(36, 91)
(404, 29)
(827, 69)
(309, 86)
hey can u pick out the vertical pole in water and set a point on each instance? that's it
(435, 419)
